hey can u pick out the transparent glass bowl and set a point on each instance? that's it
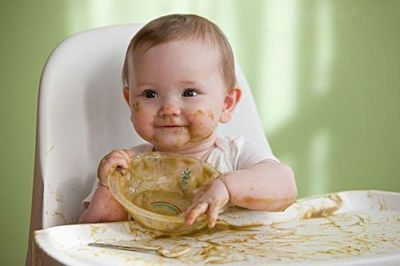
(159, 187)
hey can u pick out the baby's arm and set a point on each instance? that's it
(103, 206)
(268, 185)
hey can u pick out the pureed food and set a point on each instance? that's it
(159, 187)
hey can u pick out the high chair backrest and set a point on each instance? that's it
(82, 116)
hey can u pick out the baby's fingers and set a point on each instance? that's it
(195, 212)
(213, 211)
(127, 155)
(116, 162)
(124, 158)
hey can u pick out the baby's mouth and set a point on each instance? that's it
(170, 126)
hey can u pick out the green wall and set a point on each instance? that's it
(326, 76)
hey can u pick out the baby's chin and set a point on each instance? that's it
(171, 144)
(175, 143)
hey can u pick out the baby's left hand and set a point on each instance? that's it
(210, 200)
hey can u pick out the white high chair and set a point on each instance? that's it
(82, 116)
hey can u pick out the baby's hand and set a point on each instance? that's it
(212, 200)
(117, 160)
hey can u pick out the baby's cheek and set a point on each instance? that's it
(142, 123)
(136, 107)
(202, 124)
(135, 112)
(211, 115)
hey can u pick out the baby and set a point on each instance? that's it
(179, 83)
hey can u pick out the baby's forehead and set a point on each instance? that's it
(144, 46)
(180, 51)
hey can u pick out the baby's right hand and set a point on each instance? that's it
(117, 160)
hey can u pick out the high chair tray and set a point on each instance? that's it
(345, 228)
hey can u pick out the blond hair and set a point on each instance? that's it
(178, 27)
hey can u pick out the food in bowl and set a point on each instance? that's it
(159, 187)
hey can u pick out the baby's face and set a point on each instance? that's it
(177, 94)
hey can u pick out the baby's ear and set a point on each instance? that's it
(126, 94)
(230, 102)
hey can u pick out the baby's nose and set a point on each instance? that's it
(170, 109)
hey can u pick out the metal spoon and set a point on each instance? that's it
(168, 253)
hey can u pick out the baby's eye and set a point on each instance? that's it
(150, 93)
(189, 92)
